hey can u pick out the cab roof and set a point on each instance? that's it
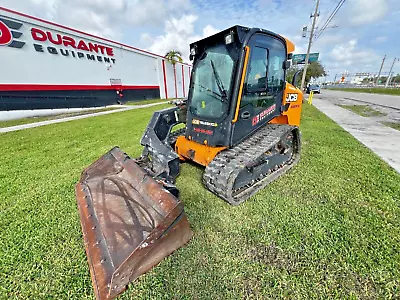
(241, 32)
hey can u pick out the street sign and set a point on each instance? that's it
(301, 58)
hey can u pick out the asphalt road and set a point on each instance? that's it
(384, 100)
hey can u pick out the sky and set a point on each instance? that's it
(366, 29)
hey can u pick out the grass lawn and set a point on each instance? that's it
(363, 110)
(392, 124)
(330, 228)
(150, 101)
(46, 118)
(370, 90)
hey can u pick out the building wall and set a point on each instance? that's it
(46, 65)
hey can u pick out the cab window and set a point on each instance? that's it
(265, 76)
(257, 70)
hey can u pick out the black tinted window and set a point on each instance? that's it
(265, 78)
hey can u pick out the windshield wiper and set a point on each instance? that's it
(218, 80)
(212, 93)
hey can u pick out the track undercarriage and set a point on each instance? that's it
(234, 174)
(239, 172)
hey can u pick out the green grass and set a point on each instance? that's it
(54, 117)
(370, 90)
(330, 228)
(392, 124)
(150, 101)
(363, 110)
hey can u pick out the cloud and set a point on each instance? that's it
(102, 17)
(350, 55)
(178, 34)
(154, 12)
(361, 12)
(330, 39)
(93, 16)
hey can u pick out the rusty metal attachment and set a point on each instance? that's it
(130, 222)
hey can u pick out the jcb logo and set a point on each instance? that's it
(9, 32)
(291, 98)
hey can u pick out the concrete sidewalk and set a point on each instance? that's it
(382, 140)
(67, 119)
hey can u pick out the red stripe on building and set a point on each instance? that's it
(67, 87)
(165, 79)
(183, 82)
(176, 89)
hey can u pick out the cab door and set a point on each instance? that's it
(263, 87)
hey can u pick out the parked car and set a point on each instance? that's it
(315, 88)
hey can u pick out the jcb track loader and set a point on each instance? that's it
(241, 123)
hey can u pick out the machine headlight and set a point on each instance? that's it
(229, 38)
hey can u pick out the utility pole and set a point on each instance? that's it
(380, 70)
(309, 45)
(390, 73)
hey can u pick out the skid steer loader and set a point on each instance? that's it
(241, 123)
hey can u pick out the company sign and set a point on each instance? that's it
(301, 58)
(55, 43)
(9, 33)
(262, 115)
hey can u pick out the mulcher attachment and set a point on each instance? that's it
(130, 222)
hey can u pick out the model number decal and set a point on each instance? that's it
(201, 130)
(291, 98)
(262, 115)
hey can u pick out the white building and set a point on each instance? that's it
(46, 65)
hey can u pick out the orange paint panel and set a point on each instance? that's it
(289, 45)
(201, 154)
(294, 97)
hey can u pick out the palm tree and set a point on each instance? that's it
(173, 57)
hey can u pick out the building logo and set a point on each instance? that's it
(55, 43)
(70, 46)
(9, 33)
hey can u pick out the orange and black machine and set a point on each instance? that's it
(240, 121)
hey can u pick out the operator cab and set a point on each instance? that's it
(237, 84)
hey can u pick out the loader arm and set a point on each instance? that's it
(158, 157)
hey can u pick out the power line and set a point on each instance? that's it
(329, 19)
(314, 16)
(327, 11)
(332, 15)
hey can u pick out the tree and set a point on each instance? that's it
(396, 79)
(367, 80)
(290, 73)
(382, 79)
(174, 56)
(314, 70)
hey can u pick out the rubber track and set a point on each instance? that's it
(220, 174)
